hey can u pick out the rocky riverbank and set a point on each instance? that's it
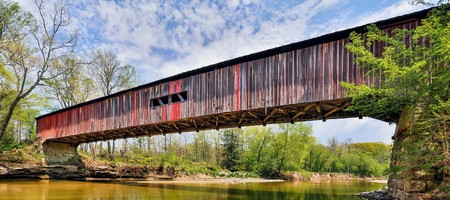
(141, 175)
(71, 172)
(152, 174)
(381, 194)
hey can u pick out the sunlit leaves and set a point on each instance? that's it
(410, 72)
(415, 75)
(29, 49)
(71, 84)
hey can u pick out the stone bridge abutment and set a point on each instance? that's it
(58, 153)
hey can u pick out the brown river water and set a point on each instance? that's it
(56, 189)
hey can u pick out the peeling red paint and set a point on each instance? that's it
(174, 108)
(164, 113)
(237, 89)
(134, 109)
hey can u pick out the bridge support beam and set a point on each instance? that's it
(405, 181)
(56, 153)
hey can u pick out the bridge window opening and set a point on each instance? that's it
(155, 103)
(175, 98)
(164, 100)
(160, 101)
(179, 97)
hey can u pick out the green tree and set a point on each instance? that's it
(203, 148)
(29, 51)
(72, 86)
(23, 118)
(416, 80)
(232, 149)
(318, 158)
(255, 140)
(364, 159)
(412, 73)
(288, 149)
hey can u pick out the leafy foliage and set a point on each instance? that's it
(270, 151)
(415, 87)
(411, 73)
(232, 149)
(29, 49)
(363, 159)
(287, 149)
(38, 50)
(71, 84)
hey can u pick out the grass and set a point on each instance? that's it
(20, 155)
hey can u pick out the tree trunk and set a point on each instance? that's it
(280, 167)
(5, 121)
(217, 152)
(124, 149)
(165, 144)
(108, 143)
(170, 142)
(92, 147)
(113, 149)
(204, 150)
(196, 150)
(19, 132)
(261, 147)
(149, 147)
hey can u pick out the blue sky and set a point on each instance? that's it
(163, 38)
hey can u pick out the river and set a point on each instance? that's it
(57, 189)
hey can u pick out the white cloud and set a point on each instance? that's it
(249, 34)
(359, 130)
(397, 9)
(163, 39)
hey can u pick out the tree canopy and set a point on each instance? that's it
(412, 73)
(29, 48)
(39, 50)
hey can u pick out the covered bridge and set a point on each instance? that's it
(295, 82)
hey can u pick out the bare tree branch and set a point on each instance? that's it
(52, 43)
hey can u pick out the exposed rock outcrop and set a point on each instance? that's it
(382, 194)
(73, 172)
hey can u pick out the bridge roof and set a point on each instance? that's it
(262, 54)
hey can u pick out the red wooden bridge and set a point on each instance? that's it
(295, 82)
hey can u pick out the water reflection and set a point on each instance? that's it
(132, 190)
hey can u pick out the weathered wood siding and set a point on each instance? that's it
(307, 74)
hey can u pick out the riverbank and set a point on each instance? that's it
(27, 162)
(150, 174)
(206, 179)
(212, 180)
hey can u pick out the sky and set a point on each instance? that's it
(164, 38)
